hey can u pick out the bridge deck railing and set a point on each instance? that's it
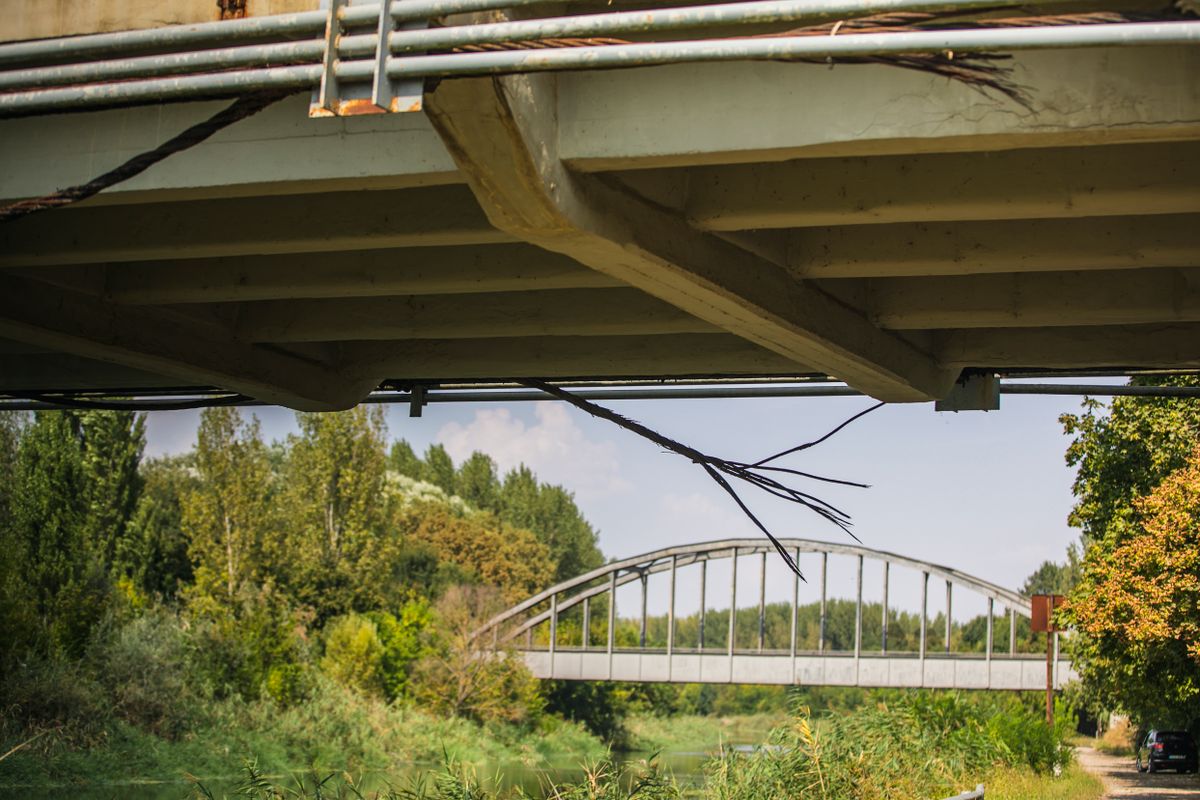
(548, 607)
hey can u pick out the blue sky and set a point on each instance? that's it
(987, 493)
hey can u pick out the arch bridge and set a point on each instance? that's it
(534, 628)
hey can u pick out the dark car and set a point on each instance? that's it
(1167, 750)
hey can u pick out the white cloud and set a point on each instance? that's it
(697, 517)
(554, 447)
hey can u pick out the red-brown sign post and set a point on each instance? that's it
(1042, 621)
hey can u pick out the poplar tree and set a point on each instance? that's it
(226, 515)
(334, 509)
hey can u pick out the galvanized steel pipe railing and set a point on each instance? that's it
(291, 51)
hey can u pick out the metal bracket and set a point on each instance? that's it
(325, 98)
(972, 393)
(382, 94)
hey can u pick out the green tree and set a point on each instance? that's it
(477, 483)
(550, 512)
(333, 506)
(1121, 455)
(403, 460)
(1138, 606)
(67, 588)
(439, 469)
(227, 513)
(113, 442)
(157, 526)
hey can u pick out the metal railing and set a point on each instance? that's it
(977, 794)
(363, 58)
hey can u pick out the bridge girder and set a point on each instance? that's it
(876, 224)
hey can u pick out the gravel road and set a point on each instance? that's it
(1122, 780)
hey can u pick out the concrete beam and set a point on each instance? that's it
(671, 356)
(1022, 184)
(356, 273)
(277, 151)
(501, 133)
(445, 215)
(35, 19)
(58, 372)
(747, 112)
(966, 248)
(1174, 346)
(170, 345)
(582, 312)
(1051, 299)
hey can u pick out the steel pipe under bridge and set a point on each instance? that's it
(696, 661)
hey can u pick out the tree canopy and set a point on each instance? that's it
(1134, 606)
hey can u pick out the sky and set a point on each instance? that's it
(987, 493)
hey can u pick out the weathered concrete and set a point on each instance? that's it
(39, 19)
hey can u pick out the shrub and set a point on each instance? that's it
(353, 654)
(144, 665)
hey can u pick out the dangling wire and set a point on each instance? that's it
(756, 474)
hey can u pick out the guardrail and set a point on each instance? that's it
(975, 795)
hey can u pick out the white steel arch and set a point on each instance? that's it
(1007, 670)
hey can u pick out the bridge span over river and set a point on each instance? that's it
(534, 627)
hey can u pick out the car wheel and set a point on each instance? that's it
(1150, 767)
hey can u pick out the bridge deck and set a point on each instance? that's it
(896, 670)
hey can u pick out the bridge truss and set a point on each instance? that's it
(699, 662)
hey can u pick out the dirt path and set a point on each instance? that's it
(1122, 780)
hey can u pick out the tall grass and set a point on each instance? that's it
(923, 746)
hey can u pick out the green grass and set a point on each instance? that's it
(691, 734)
(1022, 784)
(335, 730)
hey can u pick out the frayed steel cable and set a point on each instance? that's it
(720, 470)
(240, 109)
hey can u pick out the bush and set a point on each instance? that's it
(924, 745)
(353, 654)
(144, 665)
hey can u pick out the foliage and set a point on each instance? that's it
(455, 680)
(333, 524)
(519, 501)
(354, 654)
(1138, 605)
(926, 745)
(227, 512)
(1138, 517)
(509, 559)
(1123, 454)
(164, 566)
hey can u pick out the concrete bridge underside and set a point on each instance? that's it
(879, 225)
